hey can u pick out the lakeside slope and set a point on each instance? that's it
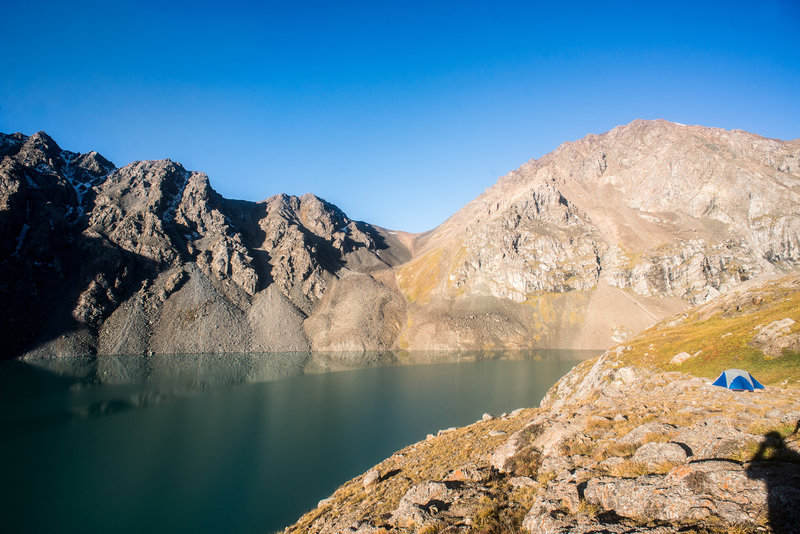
(636, 440)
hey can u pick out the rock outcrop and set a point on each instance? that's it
(582, 248)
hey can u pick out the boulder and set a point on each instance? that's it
(680, 358)
(715, 438)
(712, 490)
(372, 477)
(655, 454)
(640, 433)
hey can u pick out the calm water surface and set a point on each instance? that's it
(233, 443)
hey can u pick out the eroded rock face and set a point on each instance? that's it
(777, 337)
(652, 208)
(186, 269)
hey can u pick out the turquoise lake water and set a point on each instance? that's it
(229, 443)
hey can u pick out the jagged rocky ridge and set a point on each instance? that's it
(622, 444)
(578, 249)
(150, 258)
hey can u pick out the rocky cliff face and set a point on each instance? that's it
(579, 249)
(654, 209)
(149, 258)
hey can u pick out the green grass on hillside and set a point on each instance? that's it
(723, 334)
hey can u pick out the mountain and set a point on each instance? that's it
(603, 236)
(579, 249)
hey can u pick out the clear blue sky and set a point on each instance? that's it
(398, 112)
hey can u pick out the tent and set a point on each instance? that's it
(738, 380)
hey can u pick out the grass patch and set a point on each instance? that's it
(431, 529)
(582, 448)
(761, 429)
(497, 518)
(623, 450)
(525, 463)
(419, 278)
(655, 437)
(587, 509)
(723, 331)
(630, 469)
(599, 424)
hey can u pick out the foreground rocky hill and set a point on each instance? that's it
(628, 442)
(579, 249)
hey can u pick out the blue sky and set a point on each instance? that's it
(398, 112)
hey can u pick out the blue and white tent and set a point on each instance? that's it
(737, 379)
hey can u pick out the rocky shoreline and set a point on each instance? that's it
(622, 443)
(627, 451)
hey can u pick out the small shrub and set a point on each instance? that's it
(587, 509)
(629, 468)
(525, 463)
(623, 450)
(489, 514)
(434, 528)
(493, 520)
(544, 477)
(583, 448)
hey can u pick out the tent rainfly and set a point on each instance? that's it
(737, 379)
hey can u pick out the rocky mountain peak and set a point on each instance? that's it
(579, 248)
(648, 209)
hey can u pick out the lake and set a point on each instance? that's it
(230, 443)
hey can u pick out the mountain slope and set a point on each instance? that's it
(650, 209)
(579, 249)
(149, 257)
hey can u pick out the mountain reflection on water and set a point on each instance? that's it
(233, 442)
(184, 373)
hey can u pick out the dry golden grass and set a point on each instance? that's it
(682, 418)
(623, 450)
(631, 468)
(655, 437)
(431, 459)
(418, 278)
(581, 447)
(586, 509)
(525, 463)
(544, 477)
(497, 518)
(599, 424)
(431, 529)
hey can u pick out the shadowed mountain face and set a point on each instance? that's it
(578, 249)
(150, 258)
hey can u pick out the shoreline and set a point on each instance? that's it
(574, 466)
